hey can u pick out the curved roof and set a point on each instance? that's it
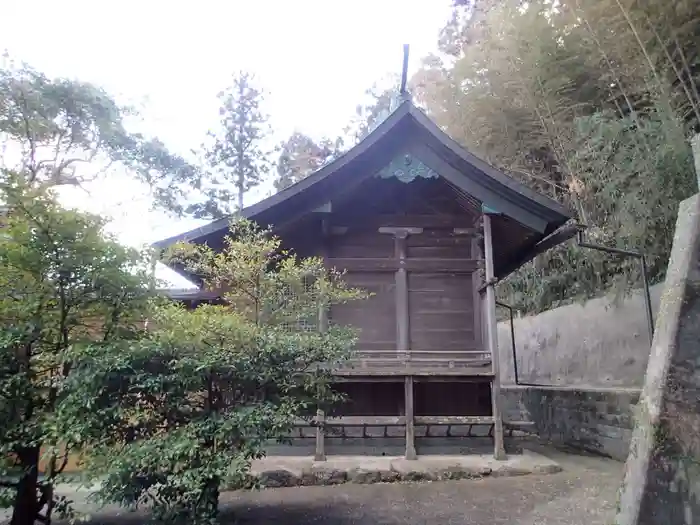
(406, 129)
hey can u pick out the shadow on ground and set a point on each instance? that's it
(585, 493)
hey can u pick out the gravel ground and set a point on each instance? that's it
(585, 493)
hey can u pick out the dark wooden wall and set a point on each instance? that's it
(419, 241)
(376, 316)
(442, 313)
(433, 398)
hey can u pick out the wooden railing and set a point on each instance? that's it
(358, 421)
(433, 362)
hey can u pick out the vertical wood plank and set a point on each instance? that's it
(492, 341)
(410, 422)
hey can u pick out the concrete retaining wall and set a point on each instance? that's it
(595, 344)
(596, 420)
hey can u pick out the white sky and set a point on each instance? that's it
(314, 57)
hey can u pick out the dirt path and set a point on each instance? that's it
(584, 493)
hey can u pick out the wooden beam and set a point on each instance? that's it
(423, 264)
(353, 421)
(361, 264)
(413, 220)
(439, 265)
(386, 370)
(400, 232)
(465, 231)
(350, 421)
(492, 342)
(410, 422)
(453, 420)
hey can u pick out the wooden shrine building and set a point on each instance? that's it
(428, 228)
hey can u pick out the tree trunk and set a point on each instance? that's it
(209, 507)
(239, 186)
(25, 508)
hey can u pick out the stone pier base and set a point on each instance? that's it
(293, 471)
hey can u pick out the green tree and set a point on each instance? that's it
(237, 156)
(300, 156)
(63, 284)
(202, 397)
(55, 131)
(589, 102)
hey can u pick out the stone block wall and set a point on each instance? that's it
(598, 420)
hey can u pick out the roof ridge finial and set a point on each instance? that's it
(403, 92)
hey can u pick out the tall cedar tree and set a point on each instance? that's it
(211, 387)
(55, 130)
(300, 156)
(237, 156)
(63, 286)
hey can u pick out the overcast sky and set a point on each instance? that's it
(314, 57)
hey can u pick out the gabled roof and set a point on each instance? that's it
(406, 129)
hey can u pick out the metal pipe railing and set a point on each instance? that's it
(512, 338)
(645, 275)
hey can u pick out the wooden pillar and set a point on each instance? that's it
(403, 335)
(320, 453)
(401, 282)
(492, 341)
(403, 342)
(402, 320)
(410, 422)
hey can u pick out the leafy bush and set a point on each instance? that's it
(186, 410)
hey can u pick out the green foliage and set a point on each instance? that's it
(589, 102)
(63, 285)
(60, 125)
(187, 410)
(636, 176)
(300, 156)
(237, 158)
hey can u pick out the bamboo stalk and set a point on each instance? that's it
(678, 74)
(632, 27)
